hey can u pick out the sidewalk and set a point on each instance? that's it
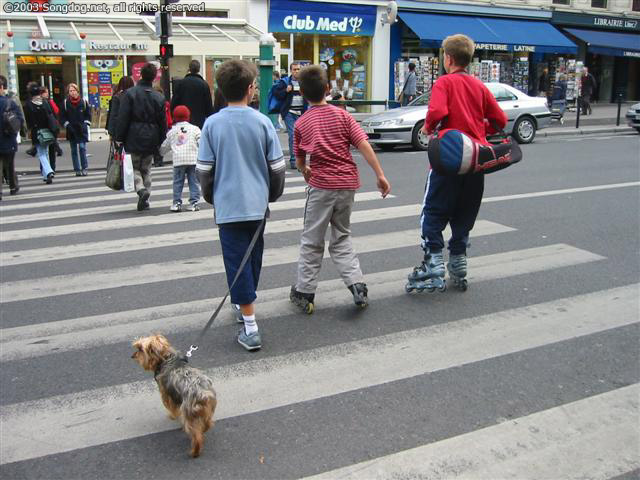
(603, 120)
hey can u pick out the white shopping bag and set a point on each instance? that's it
(127, 173)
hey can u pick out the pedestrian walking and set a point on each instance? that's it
(326, 133)
(193, 92)
(559, 98)
(142, 127)
(588, 87)
(54, 148)
(544, 83)
(292, 105)
(124, 84)
(8, 137)
(462, 102)
(157, 156)
(241, 146)
(183, 140)
(76, 118)
(41, 122)
(409, 88)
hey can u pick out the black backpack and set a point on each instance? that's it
(11, 122)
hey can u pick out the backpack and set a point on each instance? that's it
(11, 122)
(274, 104)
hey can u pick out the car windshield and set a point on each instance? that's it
(421, 100)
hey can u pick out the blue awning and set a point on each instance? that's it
(609, 43)
(489, 33)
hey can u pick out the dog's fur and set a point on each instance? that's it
(186, 392)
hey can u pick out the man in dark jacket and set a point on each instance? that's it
(8, 141)
(588, 88)
(293, 105)
(142, 127)
(194, 93)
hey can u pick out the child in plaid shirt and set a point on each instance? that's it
(183, 140)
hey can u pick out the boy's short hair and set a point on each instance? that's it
(3, 82)
(313, 83)
(234, 77)
(460, 48)
(148, 72)
(412, 67)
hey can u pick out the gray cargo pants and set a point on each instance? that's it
(141, 171)
(324, 208)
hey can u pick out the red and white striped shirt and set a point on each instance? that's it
(326, 133)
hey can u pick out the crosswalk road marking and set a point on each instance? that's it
(126, 411)
(595, 436)
(532, 447)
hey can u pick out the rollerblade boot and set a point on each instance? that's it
(457, 267)
(302, 300)
(359, 292)
(429, 275)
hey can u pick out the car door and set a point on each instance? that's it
(507, 101)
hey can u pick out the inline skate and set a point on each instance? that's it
(457, 267)
(304, 301)
(429, 275)
(359, 292)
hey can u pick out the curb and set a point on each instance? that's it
(584, 131)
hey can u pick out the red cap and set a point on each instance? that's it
(181, 114)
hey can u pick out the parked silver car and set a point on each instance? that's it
(404, 125)
(633, 116)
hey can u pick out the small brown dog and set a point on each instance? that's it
(186, 392)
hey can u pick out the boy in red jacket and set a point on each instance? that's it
(461, 102)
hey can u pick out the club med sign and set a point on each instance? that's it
(312, 17)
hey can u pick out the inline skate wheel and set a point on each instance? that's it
(408, 288)
(442, 288)
(309, 309)
(431, 289)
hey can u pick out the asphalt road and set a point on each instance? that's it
(531, 373)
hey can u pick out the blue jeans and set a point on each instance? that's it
(178, 182)
(81, 163)
(43, 155)
(234, 240)
(289, 121)
(453, 200)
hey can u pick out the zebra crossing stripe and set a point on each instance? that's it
(80, 333)
(595, 438)
(129, 198)
(141, 220)
(192, 267)
(79, 420)
(47, 194)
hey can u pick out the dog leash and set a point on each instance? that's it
(252, 244)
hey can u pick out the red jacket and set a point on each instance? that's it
(167, 112)
(465, 103)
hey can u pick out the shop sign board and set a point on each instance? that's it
(627, 53)
(329, 18)
(96, 45)
(596, 21)
(503, 47)
(47, 46)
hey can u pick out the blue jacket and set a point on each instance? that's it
(8, 143)
(280, 92)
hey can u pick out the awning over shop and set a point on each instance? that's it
(609, 43)
(489, 33)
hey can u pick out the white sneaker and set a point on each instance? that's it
(193, 207)
(176, 207)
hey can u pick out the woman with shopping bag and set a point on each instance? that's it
(43, 125)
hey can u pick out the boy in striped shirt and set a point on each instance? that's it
(326, 133)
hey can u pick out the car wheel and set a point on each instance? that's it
(386, 147)
(419, 140)
(524, 130)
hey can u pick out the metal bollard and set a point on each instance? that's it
(578, 108)
(619, 107)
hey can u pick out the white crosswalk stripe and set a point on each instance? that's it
(594, 436)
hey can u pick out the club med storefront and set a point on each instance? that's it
(348, 41)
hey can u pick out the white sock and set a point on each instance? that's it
(250, 324)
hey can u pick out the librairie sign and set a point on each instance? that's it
(596, 21)
(311, 17)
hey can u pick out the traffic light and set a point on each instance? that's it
(166, 50)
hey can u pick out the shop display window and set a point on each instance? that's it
(103, 75)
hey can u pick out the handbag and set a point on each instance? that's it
(114, 179)
(45, 137)
(127, 175)
(455, 153)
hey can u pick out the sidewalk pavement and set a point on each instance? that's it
(603, 120)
